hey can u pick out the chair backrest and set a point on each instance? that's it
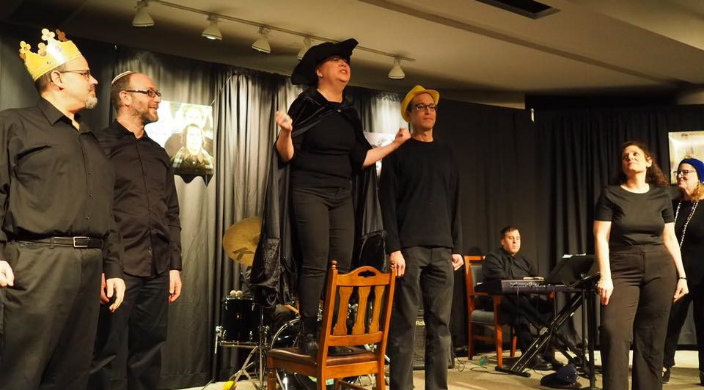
(373, 292)
(472, 273)
(477, 274)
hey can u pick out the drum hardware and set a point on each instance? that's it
(241, 318)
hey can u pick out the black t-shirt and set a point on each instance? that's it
(327, 154)
(693, 245)
(636, 219)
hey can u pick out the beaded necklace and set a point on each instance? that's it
(689, 217)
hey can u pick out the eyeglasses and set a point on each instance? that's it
(683, 172)
(423, 107)
(83, 72)
(152, 93)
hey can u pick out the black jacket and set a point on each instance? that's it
(275, 266)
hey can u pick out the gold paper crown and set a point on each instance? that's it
(49, 55)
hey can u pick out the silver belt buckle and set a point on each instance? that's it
(77, 245)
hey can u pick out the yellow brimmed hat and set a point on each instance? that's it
(417, 90)
(49, 55)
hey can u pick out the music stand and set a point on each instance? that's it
(572, 269)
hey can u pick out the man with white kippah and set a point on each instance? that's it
(55, 217)
(128, 349)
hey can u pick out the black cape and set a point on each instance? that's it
(274, 273)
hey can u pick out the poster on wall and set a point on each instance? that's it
(684, 144)
(185, 130)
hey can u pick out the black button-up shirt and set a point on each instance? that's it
(500, 265)
(54, 180)
(146, 205)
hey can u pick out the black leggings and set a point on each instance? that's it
(324, 221)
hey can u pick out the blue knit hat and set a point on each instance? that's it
(698, 166)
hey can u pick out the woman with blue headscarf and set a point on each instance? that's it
(689, 228)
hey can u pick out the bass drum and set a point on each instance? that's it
(285, 337)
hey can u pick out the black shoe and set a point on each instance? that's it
(308, 345)
(666, 375)
(538, 363)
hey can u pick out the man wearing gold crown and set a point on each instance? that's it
(56, 191)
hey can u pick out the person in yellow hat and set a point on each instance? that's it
(420, 200)
(56, 196)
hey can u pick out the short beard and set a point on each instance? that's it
(91, 102)
(146, 118)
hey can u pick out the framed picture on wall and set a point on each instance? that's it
(185, 130)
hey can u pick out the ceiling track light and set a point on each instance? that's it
(262, 43)
(212, 31)
(306, 45)
(142, 17)
(396, 72)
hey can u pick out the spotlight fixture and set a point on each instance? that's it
(212, 31)
(304, 49)
(142, 18)
(396, 73)
(262, 43)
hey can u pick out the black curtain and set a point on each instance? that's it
(496, 152)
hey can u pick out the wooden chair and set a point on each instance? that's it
(370, 327)
(478, 316)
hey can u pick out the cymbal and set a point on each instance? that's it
(241, 239)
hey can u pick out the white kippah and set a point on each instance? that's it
(121, 75)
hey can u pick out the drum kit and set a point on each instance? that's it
(246, 325)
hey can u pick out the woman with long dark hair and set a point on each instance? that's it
(641, 270)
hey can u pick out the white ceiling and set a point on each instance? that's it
(463, 47)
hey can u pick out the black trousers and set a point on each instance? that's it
(678, 314)
(638, 311)
(429, 276)
(128, 347)
(324, 220)
(49, 317)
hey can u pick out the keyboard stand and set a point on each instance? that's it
(583, 297)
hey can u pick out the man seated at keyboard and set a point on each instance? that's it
(519, 311)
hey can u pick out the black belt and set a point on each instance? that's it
(76, 242)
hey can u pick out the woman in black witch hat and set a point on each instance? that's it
(321, 140)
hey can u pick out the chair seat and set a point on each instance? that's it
(484, 317)
(292, 354)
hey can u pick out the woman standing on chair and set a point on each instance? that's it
(321, 140)
(641, 270)
(689, 228)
